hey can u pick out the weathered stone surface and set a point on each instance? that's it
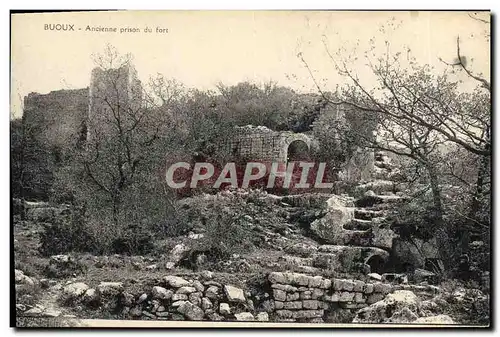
(224, 309)
(185, 290)
(279, 295)
(175, 281)
(340, 212)
(305, 295)
(142, 298)
(35, 311)
(191, 311)
(179, 297)
(198, 286)
(359, 286)
(421, 275)
(284, 287)
(279, 304)
(374, 297)
(317, 293)
(359, 298)
(276, 277)
(178, 253)
(195, 298)
(293, 305)
(262, 317)
(401, 304)
(368, 288)
(110, 288)
(292, 296)
(416, 252)
(346, 296)
(176, 304)
(310, 304)
(375, 276)
(148, 314)
(90, 296)
(161, 293)
(284, 313)
(234, 294)
(212, 292)
(315, 281)
(308, 314)
(51, 313)
(326, 284)
(383, 288)
(244, 316)
(206, 303)
(127, 299)
(332, 298)
(75, 290)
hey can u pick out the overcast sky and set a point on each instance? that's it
(203, 48)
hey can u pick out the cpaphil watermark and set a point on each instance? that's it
(299, 175)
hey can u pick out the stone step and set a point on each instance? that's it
(368, 214)
(359, 224)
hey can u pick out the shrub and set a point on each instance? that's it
(226, 233)
(135, 239)
(66, 233)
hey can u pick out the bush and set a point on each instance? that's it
(66, 233)
(136, 239)
(226, 233)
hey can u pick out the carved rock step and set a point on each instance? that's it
(359, 224)
(368, 214)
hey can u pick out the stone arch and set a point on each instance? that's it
(377, 263)
(289, 139)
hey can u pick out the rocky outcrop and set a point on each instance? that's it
(402, 306)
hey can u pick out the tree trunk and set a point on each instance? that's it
(116, 209)
(442, 239)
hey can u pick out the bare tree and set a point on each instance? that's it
(120, 130)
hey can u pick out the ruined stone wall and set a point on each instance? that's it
(261, 143)
(112, 92)
(279, 297)
(57, 118)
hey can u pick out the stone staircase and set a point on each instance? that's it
(359, 237)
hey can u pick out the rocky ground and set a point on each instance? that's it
(310, 258)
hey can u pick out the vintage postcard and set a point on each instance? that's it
(251, 169)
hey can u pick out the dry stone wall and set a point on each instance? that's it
(302, 297)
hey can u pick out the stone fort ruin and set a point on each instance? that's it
(65, 119)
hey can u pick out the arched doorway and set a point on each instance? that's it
(376, 263)
(298, 150)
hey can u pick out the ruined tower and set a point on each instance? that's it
(112, 93)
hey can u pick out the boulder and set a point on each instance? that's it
(175, 281)
(212, 292)
(186, 290)
(206, 303)
(191, 311)
(401, 302)
(110, 288)
(244, 316)
(161, 293)
(224, 309)
(90, 296)
(75, 290)
(178, 253)
(422, 275)
(263, 317)
(330, 228)
(234, 294)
